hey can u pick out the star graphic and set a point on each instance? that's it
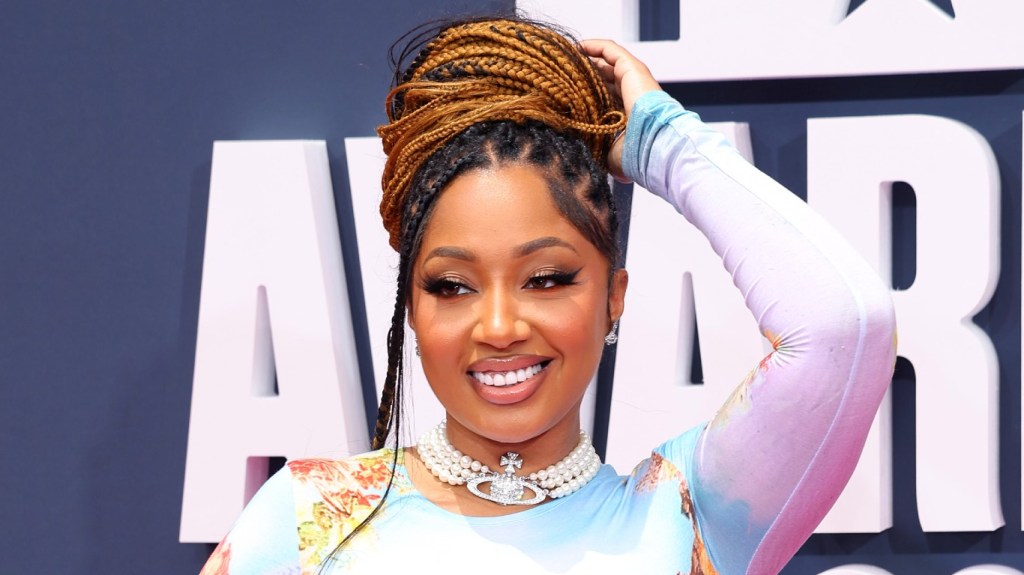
(944, 5)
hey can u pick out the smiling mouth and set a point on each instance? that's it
(502, 379)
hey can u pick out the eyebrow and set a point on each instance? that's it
(539, 244)
(450, 252)
(520, 251)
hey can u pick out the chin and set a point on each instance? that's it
(518, 425)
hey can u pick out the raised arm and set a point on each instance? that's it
(778, 453)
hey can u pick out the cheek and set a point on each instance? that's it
(575, 326)
(445, 347)
(446, 339)
(442, 335)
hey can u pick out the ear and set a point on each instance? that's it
(617, 294)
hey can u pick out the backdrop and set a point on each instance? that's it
(108, 111)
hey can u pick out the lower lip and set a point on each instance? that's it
(509, 394)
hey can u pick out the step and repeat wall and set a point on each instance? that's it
(195, 283)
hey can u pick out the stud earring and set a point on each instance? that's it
(612, 338)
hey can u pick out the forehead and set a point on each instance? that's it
(494, 209)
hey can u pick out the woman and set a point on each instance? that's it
(497, 200)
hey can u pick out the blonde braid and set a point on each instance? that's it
(485, 71)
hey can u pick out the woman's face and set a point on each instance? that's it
(510, 304)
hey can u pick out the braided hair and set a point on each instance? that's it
(488, 70)
(481, 94)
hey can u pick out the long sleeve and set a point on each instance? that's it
(776, 456)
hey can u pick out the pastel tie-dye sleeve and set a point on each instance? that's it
(778, 453)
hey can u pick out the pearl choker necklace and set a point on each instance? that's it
(563, 478)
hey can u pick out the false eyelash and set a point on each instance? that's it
(559, 278)
(437, 285)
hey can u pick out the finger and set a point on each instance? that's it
(612, 62)
(629, 75)
(618, 60)
(606, 70)
(596, 48)
(607, 50)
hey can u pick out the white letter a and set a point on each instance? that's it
(273, 300)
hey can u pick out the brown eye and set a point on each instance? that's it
(550, 280)
(540, 282)
(445, 287)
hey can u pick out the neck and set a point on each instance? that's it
(536, 452)
(508, 487)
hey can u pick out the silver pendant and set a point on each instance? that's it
(507, 488)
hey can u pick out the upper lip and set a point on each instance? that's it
(506, 363)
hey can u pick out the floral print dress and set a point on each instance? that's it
(582, 533)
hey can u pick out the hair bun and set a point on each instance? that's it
(483, 71)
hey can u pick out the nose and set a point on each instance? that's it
(500, 324)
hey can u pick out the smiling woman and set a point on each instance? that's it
(501, 137)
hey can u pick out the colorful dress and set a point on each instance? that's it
(610, 526)
(739, 495)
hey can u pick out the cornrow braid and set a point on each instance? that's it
(483, 71)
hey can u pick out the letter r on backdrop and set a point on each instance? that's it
(851, 166)
(276, 370)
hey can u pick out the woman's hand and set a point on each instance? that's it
(627, 77)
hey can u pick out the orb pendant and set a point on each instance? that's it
(507, 488)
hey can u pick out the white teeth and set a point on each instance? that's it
(507, 378)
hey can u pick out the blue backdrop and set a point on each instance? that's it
(107, 115)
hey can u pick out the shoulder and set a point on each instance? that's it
(680, 449)
(369, 470)
(667, 477)
(663, 478)
(263, 539)
(347, 484)
(333, 497)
